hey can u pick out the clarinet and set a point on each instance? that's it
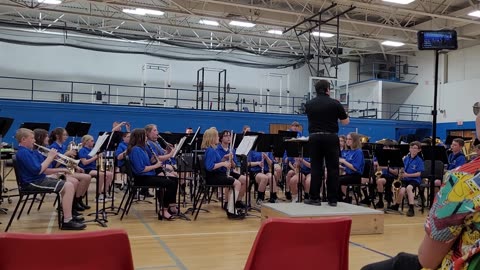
(168, 145)
(159, 169)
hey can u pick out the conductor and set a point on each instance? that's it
(323, 114)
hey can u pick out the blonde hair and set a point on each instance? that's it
(210, 138)
(86, 138)
(23, 133)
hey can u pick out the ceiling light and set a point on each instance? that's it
(50, 2)
(392, 43)
(143, 11)
(322, 34)
(401, 2)
(275, 32)
(475, 13)
(207, 22)
(242, 24)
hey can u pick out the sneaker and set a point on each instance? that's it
(288, 195)
(272, 200)
(379, 205)
(410, 212)
(78, 219)
(240, 204)
(238, 215)
(100, 199)
(73, 225)
(393, 207)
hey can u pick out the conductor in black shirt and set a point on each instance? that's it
(323, 114)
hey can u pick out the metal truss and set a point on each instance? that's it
(360, 31)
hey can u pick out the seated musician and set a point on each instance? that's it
(342, 139)
(452, 228)
(353, 163)
(145, 172)
(57, 140)
(117, 126)
(413, 168)
(223, 150)
(121, 153)
(89, 164)
(299, 166)
(384, 182)
(295, 126)
(163, 155)
(455, 159)
(216, 171)
(32, 166)
(259, 169)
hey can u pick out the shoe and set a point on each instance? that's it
(240, 204)
(80, 202)
(272, 200)
(332, 204)
(238, 215)
(379, 205)
(75, 213)
(78, 219)
(162, 217)
(365, 202)
(348, 200)
(259, 202)
(288, 195)
(73, 225)
(393, 207)
(77, 206)
(172, 212)
(316, 202)
(410, 212)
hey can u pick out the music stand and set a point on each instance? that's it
(77, 129)
(246, 144)
(5, 124)
(32, 125)
(267, 143)
(175, 155)
(435, 153)
(295, 148)
(389, 158)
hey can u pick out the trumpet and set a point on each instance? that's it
(69, 162)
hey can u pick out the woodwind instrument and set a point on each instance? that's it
(230, 151)
(168, 145)
(153, 153)
(262, 163)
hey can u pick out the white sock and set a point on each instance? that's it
(66, 220)
(294, 198)
(231, 204)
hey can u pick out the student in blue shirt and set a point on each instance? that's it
(259, 169)
(57, 140)
(121, 151)
(223, 149)
(455, 159)
(216, 171)
(299, 166)
(384, 182)
(352, 162)
(32, 173)
(164, 155)
(145, 174)
(89, 164)
(413, 168)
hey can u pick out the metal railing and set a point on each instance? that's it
(393, 111)
(119, 94)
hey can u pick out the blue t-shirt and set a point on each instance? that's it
(83, 153)
(255, 156)
(120, 149)
(354, 157)
(211, 158)
(222, 152)
(413, 165)
(455, 160)
(29, 165)
(139, 160)
(60, 149)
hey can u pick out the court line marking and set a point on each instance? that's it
(155, 267)
(170, 253)
(403, 224)
(192, 234)
(370, 249)
(50, 224)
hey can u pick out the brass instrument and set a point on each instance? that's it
(363, 138)
(378, 173)
(397, 183)
(468, 149)
(73, 146)
(69, 162)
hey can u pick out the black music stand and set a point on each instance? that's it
(32, 125)
(101, 221)
(435, 153)
(285, 134)
(298, 148)
(5, 124)
(77, 129)
(268, 143)
(243, 155)
(176, 155)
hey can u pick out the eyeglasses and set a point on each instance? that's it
(414, 147)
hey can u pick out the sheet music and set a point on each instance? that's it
(246, 145)
(100, 140)
(300, 139)
(178, 147)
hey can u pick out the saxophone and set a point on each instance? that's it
(397, 183)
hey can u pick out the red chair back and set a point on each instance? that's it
(284, 243)
(102, 250)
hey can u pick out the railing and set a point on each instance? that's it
(103, 93)
(394, 111)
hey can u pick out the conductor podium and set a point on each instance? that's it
(364, 220)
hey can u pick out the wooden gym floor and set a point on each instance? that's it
(213, 241)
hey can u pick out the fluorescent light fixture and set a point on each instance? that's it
(401, 2)
(143, 11)
(323, 34)
(475, 13)
(392, 43)
(50, 2)
(275, 32)
(208, 22)
(242, 24)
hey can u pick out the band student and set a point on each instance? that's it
(32, 167)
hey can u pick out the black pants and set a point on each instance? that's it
(324, 146)
(170, 185)
(403, 261)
